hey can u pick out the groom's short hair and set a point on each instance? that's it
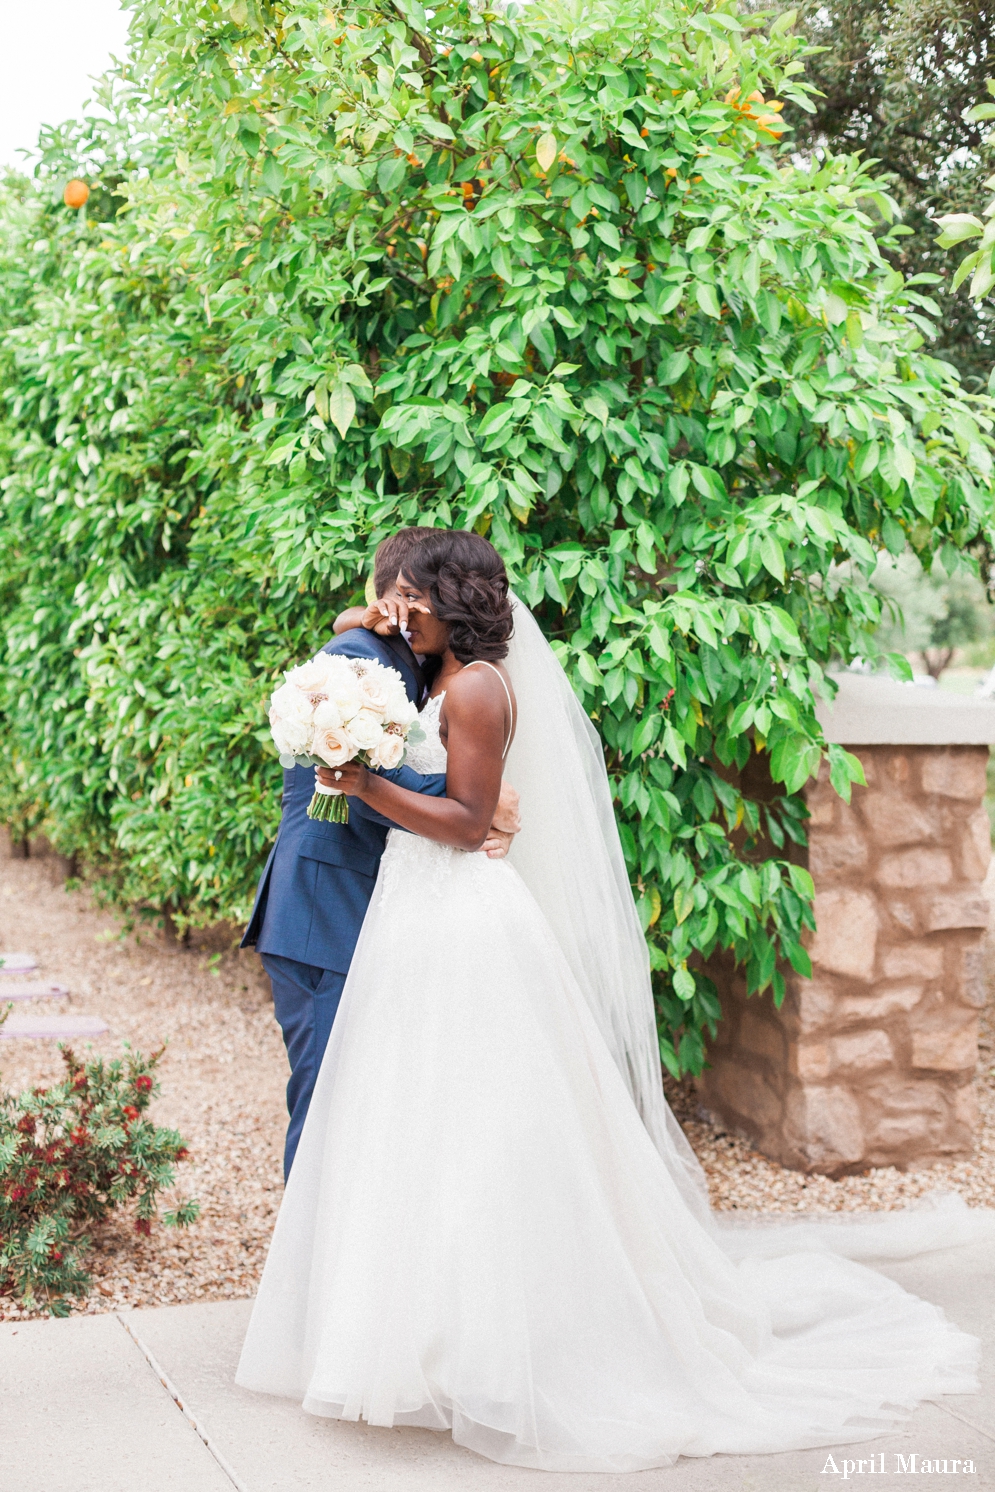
(391, 554)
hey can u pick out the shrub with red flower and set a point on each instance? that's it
(69, 1155)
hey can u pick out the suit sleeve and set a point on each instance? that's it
(434, 784)
(356, 643)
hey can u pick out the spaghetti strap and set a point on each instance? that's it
(511, 707)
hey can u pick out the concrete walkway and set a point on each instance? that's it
(144, 1402)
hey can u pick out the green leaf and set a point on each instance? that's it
(683, 904)
(546, 150)
(678, 481)
(772, 555)
(957, 227)
(496, 418)
(565, 318)
(321, 398)
(608, 234)
(273, 175)
(983, 278)
(905, 463)
(544, 342)
(596, 406)
(588, 669)
(684, 985)
(341, 406)
(836, 310)
(866, 459)
(707, 298)
(391, 172)
(673, 367)
(350, 177)
(844, 769)
(355, 374)
(799, 958)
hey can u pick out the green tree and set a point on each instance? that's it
(545, 275)
(896, 81)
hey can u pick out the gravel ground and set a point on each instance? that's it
(740, 1179)
(222, 1087)
(222, 1082)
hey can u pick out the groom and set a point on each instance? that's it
(318, 880)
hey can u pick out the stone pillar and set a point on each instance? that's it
(871, 1061)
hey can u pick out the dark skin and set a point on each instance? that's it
(387, 617)
(474, 726)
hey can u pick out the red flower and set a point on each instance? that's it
(55, 1255)
(130, 1112)
(79, 1081)
(17, 1194)
(144, 1084)
(143, 1226)
(27, 1124)
(80, 1136)
(183, 1153)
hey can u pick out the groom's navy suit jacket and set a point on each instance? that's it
(318, 880)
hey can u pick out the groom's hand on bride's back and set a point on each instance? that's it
(505, 826)
(506, 817)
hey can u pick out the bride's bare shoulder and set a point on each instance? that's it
(481, 695)
(479, 681)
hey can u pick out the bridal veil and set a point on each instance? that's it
(570, 857)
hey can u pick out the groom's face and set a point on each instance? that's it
(426, 633)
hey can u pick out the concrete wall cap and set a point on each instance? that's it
(876, 711)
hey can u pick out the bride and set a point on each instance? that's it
(494, 1226)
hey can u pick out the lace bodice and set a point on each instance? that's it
(409, 856)
(428, 755)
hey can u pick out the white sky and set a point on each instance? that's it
(51, 52)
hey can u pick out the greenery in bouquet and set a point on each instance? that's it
(69, 1155)
(552, 273)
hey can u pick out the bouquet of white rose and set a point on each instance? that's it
(333, 710)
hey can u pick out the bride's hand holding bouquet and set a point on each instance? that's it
(345, 714)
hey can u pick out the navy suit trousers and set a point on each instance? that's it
(305, 1000)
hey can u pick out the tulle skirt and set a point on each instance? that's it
(479, 1235)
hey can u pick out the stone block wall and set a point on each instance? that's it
(871, 1062)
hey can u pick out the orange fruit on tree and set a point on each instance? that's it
(76, 193)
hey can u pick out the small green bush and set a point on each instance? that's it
(69, 1155)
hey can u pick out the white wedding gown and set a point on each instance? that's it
(480, 1235)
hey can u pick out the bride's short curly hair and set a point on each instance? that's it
(468, 586)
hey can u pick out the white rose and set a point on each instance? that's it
(290, 703)
(388, 752)
(365, 729)
(375, 691)
(334, 745)
(335, 665)
(291, 737)
(310, 676)
(342, 690)
(401, 711)
(327, 715)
